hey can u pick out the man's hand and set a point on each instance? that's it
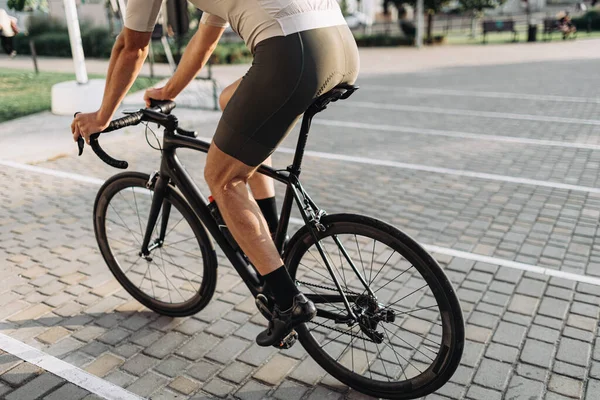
(87, 124)
(157, 94)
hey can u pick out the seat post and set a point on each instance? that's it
(303, 138)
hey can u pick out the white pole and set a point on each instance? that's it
(75, 38)
(368, 8)
(420, 24)
(123, 8)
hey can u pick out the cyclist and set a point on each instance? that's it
(301, 49)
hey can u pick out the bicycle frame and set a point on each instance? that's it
(171, 170)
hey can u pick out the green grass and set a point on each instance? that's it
(507, 37)
(23, 93)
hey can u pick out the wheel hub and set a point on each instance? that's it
(157, 243)
(370, 313)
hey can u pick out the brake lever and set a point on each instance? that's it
(80, 144)
(80, 141)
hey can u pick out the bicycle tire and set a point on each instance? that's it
(449, 354)
(206, 288)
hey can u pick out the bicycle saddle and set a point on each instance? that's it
(340, 92)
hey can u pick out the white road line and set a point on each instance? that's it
(52, 172)
(68, 372)
(491, 95)
(501, 262)
(472, 113)
(446, 171)
(357, 160)
(433, 248)
(514, 265)
(456, 134)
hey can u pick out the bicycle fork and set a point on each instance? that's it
(159, 202)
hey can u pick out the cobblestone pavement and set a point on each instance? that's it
(529, 335)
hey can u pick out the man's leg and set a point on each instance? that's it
(262, 186)
(227, 178)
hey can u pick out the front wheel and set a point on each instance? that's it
(178, 277)
(406, 337)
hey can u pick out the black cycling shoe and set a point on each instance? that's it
(279, 332)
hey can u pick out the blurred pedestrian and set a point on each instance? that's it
(565, 24)
(8, 30)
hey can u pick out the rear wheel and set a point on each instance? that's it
(408, 335)
(178, 277)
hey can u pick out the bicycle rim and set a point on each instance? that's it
(404, 356)
(178, 277)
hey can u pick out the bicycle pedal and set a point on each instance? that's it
(262, 303)
(288, 341)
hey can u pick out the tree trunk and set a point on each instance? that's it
(429, 27)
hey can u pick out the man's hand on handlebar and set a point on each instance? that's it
(86, 124)
(157, 94)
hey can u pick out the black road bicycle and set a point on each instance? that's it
(388, 323)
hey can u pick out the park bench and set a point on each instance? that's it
(499, 26)
(552, 25)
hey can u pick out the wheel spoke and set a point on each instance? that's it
(164, 271)
(313, 256)
(367, 357)
(360, 256)
(396, 277)
(133, 265)
(416, 334)
(382, 362)
(183, 251)
(314, 270)
(144, 276)
(121, 226)
(151, 280)
(174, 226)
(182, 269)
(380, 269)
(124, 223)
(414, 311)
(336, 269)
(137, 211)
(413, 347)
(395, 353)
(179, 241)
(122, 242)
(372, 260)
(410, 294)
(408, 361)
(335, 338)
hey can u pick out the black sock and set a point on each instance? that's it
(268, 207)
(282, 286)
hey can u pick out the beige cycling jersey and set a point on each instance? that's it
(253, 20)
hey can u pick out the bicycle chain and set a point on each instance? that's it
(331, 327)
(326, 288)
(341, 331)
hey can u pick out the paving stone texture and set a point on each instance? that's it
(528, 336)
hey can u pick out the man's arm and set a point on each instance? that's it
(195, 56)
(126, 60)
